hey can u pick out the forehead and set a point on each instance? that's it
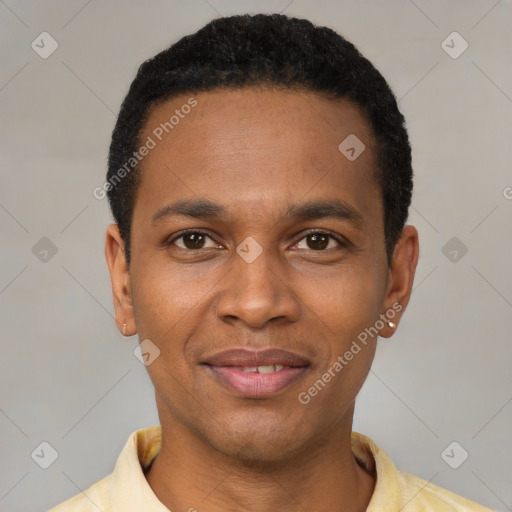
(252, 147)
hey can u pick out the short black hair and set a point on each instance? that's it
(271, 50)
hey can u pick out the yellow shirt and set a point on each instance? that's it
(126, 489)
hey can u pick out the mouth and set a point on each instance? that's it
(260, 374)
(268, 368)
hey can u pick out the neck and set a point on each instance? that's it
(189, 474)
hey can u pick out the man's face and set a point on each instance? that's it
(254, 278)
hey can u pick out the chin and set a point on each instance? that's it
(260, 441)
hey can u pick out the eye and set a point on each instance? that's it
(192, 240)
(320, 241)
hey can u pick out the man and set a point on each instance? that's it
(260, 178)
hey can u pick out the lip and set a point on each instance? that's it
(226, 366)
(244, 357)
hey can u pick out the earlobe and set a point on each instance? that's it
(401, 278)
(120, 281)
(390, 323)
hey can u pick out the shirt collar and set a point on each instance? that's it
(130, 489)
(386, 494)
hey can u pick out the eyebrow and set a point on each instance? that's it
(311, 210)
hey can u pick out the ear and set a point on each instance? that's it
(120, 279)
(400, 278)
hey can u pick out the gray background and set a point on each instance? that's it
(69, 378)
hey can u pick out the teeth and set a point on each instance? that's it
(266, 369)
(263, 369)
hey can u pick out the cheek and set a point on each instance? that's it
(348, 298)
(166, 314)
(347, 307)
(169, 306)
(349, 351)
(165, 302)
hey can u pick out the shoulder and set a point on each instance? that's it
(397, 490)
(126, 487)
(94, 498)
(421, 495)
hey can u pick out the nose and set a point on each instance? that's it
(256, 292)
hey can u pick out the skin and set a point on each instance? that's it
(254, 151)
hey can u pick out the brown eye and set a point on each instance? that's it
(192, 240)
(319, 241)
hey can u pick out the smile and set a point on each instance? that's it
(257, 381)
(256, 373)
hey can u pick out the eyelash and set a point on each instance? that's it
(181, 234)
